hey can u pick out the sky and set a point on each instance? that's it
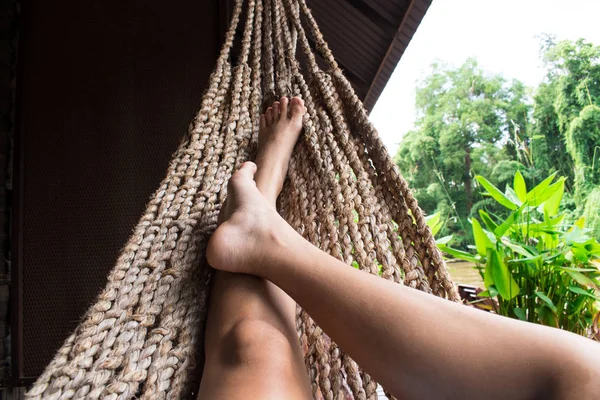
(501, 35)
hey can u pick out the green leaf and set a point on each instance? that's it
(502, 228)
(576, 306)
(482, 242)
(578, 290)
(463, 255)
(355, 264)
(517, 248)
(536, 137)
(553, 203)
(576, 235)
(503, 280)
(580, 223)
(581, 279)
(495, 193)
(491, 292)
(434, 222)
(546, 300)
(520, 187)
(548, 193)
(536, 191)
(532, 259)
(547, 316)
(444, 240)
(579, 269)
(487, 220)
(512, 196)
(520, 313)
(488, 279)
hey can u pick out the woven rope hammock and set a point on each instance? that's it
(143, 336)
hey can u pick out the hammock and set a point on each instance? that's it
(143, 336)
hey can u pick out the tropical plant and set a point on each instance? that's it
(538, 268)
(468, 121)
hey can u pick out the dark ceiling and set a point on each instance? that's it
(368, 37)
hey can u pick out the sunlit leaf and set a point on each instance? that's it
(444, 240)
(512, 196)
(540, 188)
(482, 241)
(579, 269)
(503, 280)
(488, 278)
(580, 222)
(487, 220)
(504, 226)
(576, 235)
(520, 187)
(434, 222)
(548, 193)
(532, 259)
(553, 203)
(463, 255)
(495, 193)
(581, 279)
(517, 248)
(491, 292)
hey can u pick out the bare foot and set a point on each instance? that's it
(249, 220)
(280, 127)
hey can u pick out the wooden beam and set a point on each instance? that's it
(404, 30)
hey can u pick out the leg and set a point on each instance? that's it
(252, 350)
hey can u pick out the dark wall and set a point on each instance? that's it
(107, 89)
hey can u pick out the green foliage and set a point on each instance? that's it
(471, 122)
(536, 267)
(548, 145)
(574, 67)
(468, 122)
(583, 144)
(591, 212)
(567, 116)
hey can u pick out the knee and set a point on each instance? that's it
(253, 341)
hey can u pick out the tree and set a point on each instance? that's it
(575, 69)
(468, 121)
(549, 152)
(566, 113)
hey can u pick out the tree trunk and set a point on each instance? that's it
(468, 183)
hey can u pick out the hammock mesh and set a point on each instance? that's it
(144, 335)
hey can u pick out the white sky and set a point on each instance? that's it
(500, 34)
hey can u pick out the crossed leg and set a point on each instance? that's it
(251, 346)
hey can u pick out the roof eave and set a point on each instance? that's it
(407, 28)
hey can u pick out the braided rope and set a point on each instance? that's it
(143, 337)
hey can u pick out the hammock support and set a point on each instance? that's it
(143, 336)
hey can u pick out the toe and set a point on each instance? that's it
(297, 109)
(276, 111)
(269, 116)
(263, 122)
(284, 107)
